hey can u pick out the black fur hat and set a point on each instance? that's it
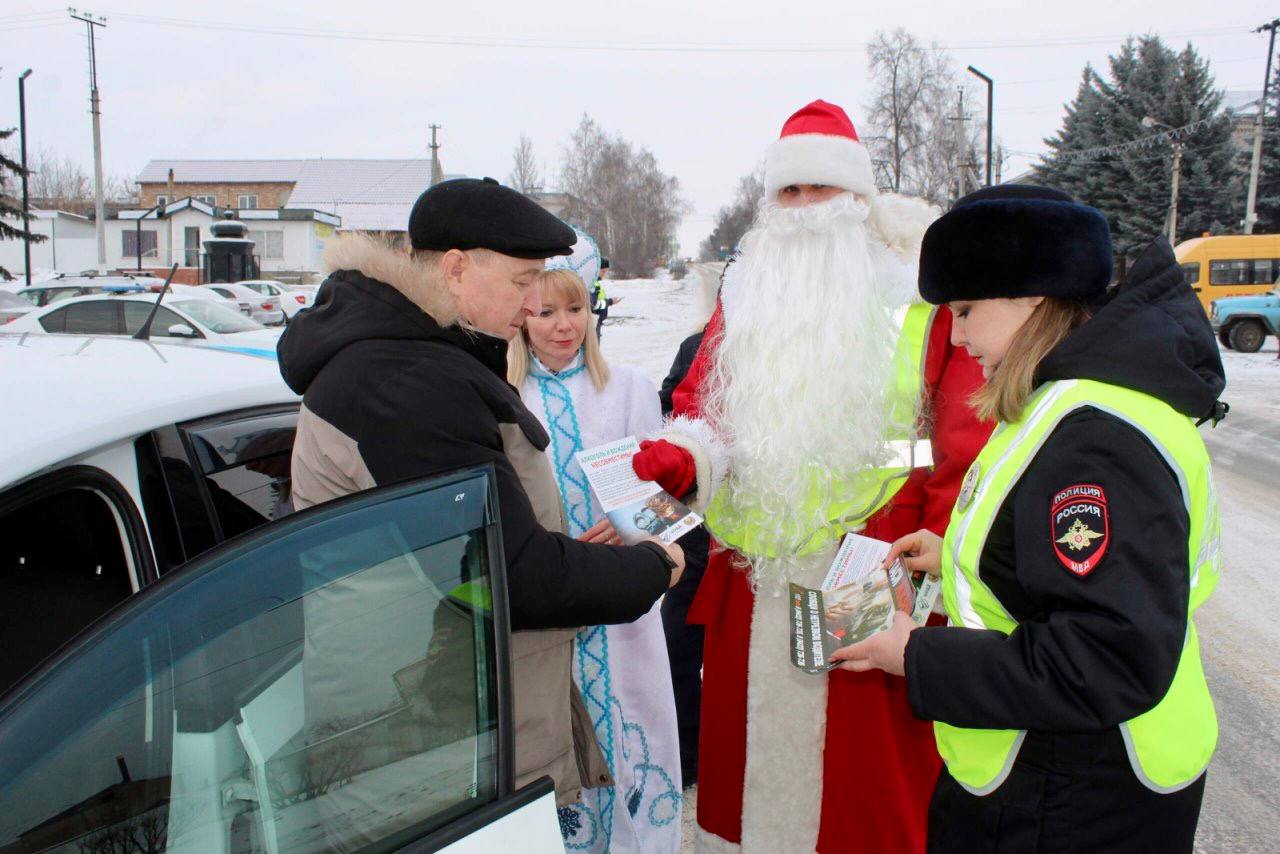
(1016, 240)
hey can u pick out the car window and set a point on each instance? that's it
(96, 317)
(59, 575)
(55, 321)
(245, 461)
(329, 684)
(222, 319)
(136, 313)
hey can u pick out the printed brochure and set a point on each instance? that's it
(856, 600)
(637, 508)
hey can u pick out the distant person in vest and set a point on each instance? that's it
(621, 670)
(600, 300)
(809, 411)
(1069, 698)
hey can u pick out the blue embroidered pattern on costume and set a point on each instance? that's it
(591, 664)
(590, 824)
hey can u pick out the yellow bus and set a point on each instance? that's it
(1229, 264)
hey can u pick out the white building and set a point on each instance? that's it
(288, 242)
(70, 244)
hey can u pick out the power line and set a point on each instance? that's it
(610, 46)
(1134, 144)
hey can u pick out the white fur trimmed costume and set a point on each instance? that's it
(791, 761)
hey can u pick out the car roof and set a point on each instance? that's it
(49, 382)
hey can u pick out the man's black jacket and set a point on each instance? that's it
(407, 398)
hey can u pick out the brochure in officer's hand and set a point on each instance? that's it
(637, 508)
(857, 599)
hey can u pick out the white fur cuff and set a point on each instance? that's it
(706, 842)
(710, 457)
(817, 158)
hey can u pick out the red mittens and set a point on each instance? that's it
(670, 465)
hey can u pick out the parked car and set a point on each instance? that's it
(1243, 323)
(191, 320)
(292, 300)
(238, 677)
(264, 309)
(12, 307)
(70, 287)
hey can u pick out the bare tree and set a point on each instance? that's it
(917, 134)
(524, 175)
(621, 197)
(58, 181)
(733, 220)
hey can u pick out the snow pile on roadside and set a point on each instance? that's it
(655, 315)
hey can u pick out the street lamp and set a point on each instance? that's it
(990, 93)
(26, 202)
(1150, 122)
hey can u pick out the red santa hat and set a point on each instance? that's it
(818, 145)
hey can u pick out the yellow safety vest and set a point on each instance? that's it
(1170, 745)
(857, 498)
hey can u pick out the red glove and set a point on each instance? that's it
(670, 465)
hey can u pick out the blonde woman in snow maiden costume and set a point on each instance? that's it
(621, 670)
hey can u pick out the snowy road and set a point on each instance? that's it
(1239, 629)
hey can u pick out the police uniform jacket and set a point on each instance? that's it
(1097, 647)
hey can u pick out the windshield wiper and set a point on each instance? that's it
(144, 333)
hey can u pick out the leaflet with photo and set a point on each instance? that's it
(637, 508)
(856, 600)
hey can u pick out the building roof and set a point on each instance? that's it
(369, 195)
(300, 213)
(372, 195)
(221, 171)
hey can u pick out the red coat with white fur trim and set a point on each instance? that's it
(879, 762)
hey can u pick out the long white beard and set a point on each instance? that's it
(800, 384)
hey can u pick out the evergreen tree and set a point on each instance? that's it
(1267, 204)
(1132, 186)
(11, 207)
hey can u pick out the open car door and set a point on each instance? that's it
(335, 681)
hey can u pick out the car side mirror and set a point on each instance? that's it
(182, 330)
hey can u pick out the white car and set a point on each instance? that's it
(264, 309)
(292, 300)
(189, 666)
(13, 307)
(191, 320)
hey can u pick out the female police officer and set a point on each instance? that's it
(1067, 692)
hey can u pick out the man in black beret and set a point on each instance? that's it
(402, 366)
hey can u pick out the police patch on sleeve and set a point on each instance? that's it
(1080, 528)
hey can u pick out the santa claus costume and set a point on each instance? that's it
(821, 390)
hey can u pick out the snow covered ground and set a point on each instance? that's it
(1239, 631)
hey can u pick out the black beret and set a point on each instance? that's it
(1016, 240)
(476, 213)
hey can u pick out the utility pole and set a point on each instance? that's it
(26, 201)
(1250, 215)
(95, 107)
(437, 174)
(960, 118)
(1173, 197)
(990, 96)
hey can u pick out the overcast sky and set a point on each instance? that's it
(179, 81)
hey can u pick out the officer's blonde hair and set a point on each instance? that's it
(1005, 393)
(568, 285)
